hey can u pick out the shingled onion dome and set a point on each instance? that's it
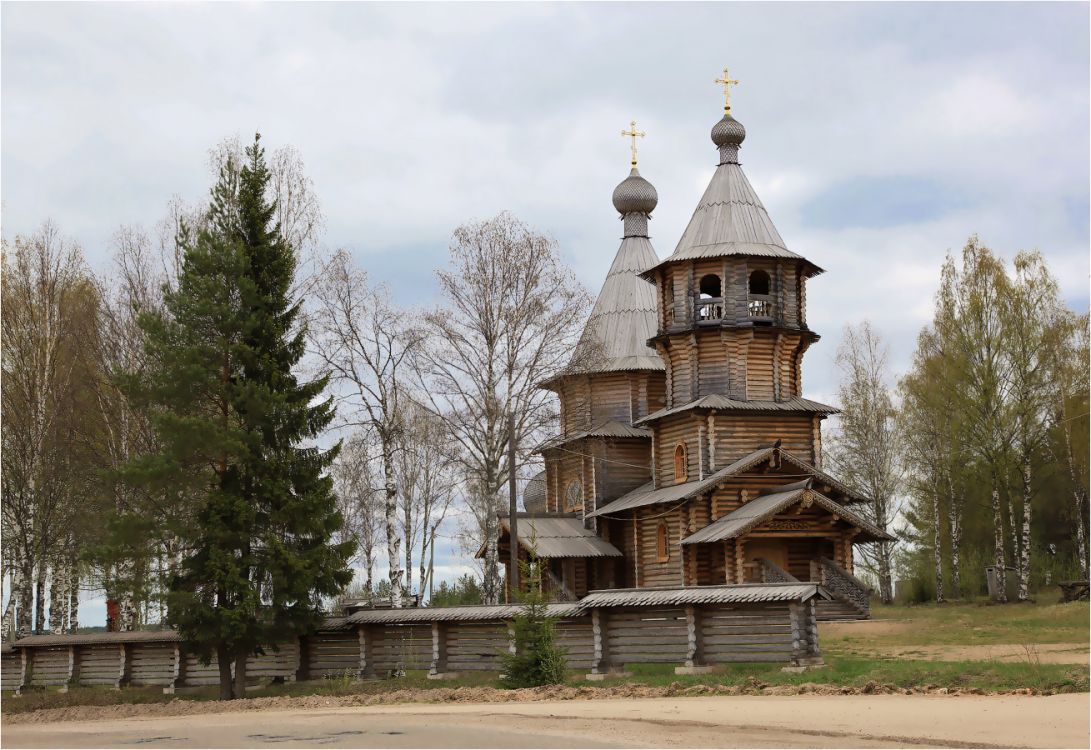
(728, 135)
(635, 198)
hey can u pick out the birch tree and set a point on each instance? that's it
(49, 311)
(359, 495)
(865, 446)
(1032, 325)
(366, 345)
(970, 322)
(509, 319)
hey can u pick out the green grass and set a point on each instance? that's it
(961, 624)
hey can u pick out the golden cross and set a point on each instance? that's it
(634, 134)
(727, 81)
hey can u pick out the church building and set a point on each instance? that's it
(687, 454)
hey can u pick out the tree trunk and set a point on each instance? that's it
(58, 594)
(1015, 545)
(24, 613)
(39, 597)
(73, 596)
(954, 515)
(937, 548)
(223, 662)
(240, 674)
(8, 625)
(998, 549)
(393, 540)
(1079, 498)
(886, 587)
(491, 582)
(1024, 559)
(1081, 537)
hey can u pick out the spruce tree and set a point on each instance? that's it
(234, 424)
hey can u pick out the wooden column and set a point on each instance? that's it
(73, 669)
(729, 561)
(805, 653)
(303, 659)
(125, 666)
(438, 669)
(177, 671)
(367, 661)
(695, 656)
(712, 444)
(740, 561)
(26, 669)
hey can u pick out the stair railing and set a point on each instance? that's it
(773, 573)
(844, 586)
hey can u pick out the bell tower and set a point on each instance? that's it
(731, 328)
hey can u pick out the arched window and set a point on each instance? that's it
(710, 286)
(573, 496)
(662, 542)
(759, 282)
(680, 468)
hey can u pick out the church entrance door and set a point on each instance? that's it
(773, 550)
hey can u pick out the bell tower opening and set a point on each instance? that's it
(710, 304)
(759, 302)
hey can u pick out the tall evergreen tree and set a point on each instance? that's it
(233, 422)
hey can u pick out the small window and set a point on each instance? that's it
(759, 282)
(710, 286)
(573, 496)
(662, 542)
(680, 469)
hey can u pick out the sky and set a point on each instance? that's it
(880, 136)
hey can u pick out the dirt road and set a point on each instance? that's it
(736, 721)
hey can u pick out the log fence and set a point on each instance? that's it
(600, 640)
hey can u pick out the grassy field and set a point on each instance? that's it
(901, 647)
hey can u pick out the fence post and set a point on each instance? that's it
(600, 661)
(367, 661)
(125, 666)
(805, 654)
(695, 648)
(438, 670)
(73, 670)
(26, 669)
(177, 671)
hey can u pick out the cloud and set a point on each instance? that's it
(880, 136)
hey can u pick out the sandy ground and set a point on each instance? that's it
(729, 721)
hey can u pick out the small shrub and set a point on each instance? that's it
(537, 660)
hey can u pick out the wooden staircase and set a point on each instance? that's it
(850, 594)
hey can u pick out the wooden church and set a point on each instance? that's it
(687, 454)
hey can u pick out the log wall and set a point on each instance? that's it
(696, 634)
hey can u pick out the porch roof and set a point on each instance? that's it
(760, 509)
(647, 494)
(559, 537)
(720, 594)
(719, 402)
(610, 429)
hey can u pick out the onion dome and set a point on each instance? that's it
(634, 194)
(534, 494)
(728, 134)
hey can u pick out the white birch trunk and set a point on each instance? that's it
(393, 539)
(1024, 559)
(954, 519)
(998, 549)
(937, 548)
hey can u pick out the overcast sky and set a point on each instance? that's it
(879, 136)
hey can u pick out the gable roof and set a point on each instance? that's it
(762, 508)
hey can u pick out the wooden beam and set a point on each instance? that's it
(366, 667)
